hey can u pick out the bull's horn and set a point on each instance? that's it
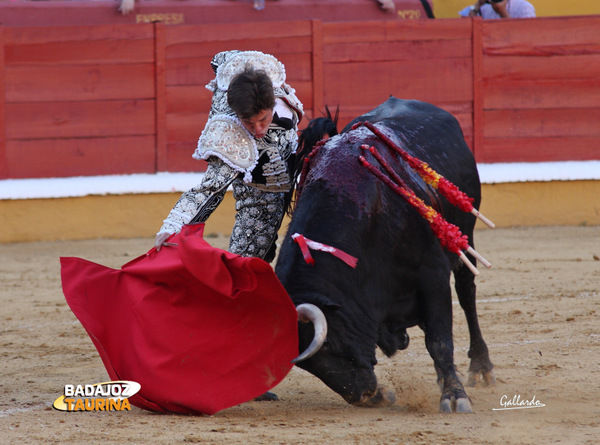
(311, 313)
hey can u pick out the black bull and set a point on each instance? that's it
(402, 278)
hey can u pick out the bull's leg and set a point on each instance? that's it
(454, 397)
(438, 340)
(478, 352)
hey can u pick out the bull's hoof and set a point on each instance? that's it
(383, 397)
(267, 397)
(488, 378)
(461, 406)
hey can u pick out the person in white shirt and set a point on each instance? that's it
(504, 9)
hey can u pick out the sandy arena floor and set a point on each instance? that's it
(539, 310)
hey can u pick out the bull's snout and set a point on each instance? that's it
(382, 397)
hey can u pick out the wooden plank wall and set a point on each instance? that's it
(118, 99)
(189, 50)
(422, 59)
(199, 12)
(540, 85)
(79, 100)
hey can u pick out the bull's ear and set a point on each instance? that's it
(321, 301)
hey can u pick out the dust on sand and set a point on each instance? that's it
(539, 309)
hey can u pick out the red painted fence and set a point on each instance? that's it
(120, 99)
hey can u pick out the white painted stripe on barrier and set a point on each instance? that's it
(72, 187)
(538, 171)
(43, 188)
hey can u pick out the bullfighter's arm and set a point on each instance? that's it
(198, 203)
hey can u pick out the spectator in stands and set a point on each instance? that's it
(387, 5)
(504, 9)
(390, 6)
(126, 6)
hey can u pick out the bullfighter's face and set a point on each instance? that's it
(258, 124)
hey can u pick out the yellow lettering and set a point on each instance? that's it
(69, 403)
(100, 404)
(178, 19)
(168, 18)
(79, 406)
(125, 405)
(411, 14)
(94, 404)
(106, 405)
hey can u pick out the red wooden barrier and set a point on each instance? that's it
(118, 99)
(198, 12)
(189, 50)
(79, 100)
(425, 60)
(4, 170)
(540, 88)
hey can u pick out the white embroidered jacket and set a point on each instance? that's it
(231, 151)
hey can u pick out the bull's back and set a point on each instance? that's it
(411, 111)
(409, 116)
(343, 205)
(432, 135)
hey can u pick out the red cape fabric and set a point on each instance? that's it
(200, 329)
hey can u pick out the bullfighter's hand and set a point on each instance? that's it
(160, 239)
